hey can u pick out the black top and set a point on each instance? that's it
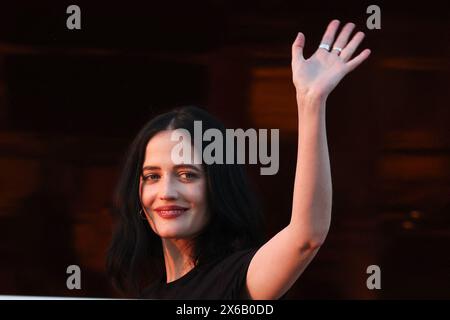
(220, 279)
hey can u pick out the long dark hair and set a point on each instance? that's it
(135, 257)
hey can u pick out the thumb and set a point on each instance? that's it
(297, 46)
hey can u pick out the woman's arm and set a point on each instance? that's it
(311, 206)
(277, 264)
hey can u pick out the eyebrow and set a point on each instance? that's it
(179, 166)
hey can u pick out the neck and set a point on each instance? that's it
(177, 258)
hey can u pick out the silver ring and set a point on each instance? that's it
(325, 46)
(338, 49)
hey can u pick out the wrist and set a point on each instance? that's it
(311, 94)
(311, 102)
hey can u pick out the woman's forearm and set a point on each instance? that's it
(312, 200)
(314, 79)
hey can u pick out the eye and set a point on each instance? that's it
(151, 177)
(187, 175)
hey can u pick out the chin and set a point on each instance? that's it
(173, 232)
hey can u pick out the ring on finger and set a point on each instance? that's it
(338, 49)
(325, 46)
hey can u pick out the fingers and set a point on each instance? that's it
(351, 47)
(297, 47)
(348, 48)
(328, 37)
(356, 61)
(343, 37)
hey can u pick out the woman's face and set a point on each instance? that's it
(173, 196)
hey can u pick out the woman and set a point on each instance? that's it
(193, 231)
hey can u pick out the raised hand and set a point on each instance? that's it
(320, 74)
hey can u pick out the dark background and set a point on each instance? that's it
(72, 100)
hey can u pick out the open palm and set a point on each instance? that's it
(321, 73)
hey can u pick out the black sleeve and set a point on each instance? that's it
(234, 272)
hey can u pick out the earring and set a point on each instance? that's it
(142, 214)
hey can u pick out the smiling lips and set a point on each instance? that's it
(170, 212)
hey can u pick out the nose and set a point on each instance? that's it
(168, 189)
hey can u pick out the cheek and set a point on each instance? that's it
(147, 193)
(198, 195)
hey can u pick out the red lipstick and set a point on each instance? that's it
(170, 212)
